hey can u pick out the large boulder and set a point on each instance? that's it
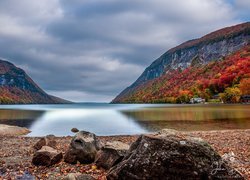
(46, 156)
(83, 148)
(46, 141)
(111, 154)
(171, 156)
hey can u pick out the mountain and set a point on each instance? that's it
(16, 87)
(201, 67)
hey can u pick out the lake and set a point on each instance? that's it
(124, 119)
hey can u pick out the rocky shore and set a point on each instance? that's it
(17, 154)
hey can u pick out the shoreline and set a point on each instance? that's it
(11, 130)
(8, 130)
(16, 153)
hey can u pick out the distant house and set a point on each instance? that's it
(216, 96)
(215, 99)
(245, 99)
(197, 100)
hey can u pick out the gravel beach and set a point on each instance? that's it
(16, 153)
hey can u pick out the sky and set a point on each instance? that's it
(90, 50)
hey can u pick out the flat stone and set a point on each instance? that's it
(111, 154)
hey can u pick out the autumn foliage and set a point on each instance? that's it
(228, 77)
(13, 95)
(245, 85)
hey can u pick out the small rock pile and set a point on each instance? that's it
(46, 153)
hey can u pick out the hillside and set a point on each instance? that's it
(204, 67)
(16, 87)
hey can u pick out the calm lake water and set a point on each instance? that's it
(118, 119)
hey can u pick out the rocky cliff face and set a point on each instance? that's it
(214, 46)
(17, 87)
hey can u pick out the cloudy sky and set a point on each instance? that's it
(90, 50)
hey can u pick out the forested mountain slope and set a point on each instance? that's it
(198, 68)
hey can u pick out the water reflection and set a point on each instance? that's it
(208, 117)
(19, 114)
(22, 118)
(105, 119)
(101, 122)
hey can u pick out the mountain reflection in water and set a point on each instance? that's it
(190, 118)
(110, 119)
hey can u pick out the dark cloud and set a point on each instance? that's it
(91, 50)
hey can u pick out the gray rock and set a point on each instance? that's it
(111, 154)
(118, 145)
(46, 156)
(83, 148)
(78, 176)
(71, 176)
(168, 132)
(46, 141)
(171, 157)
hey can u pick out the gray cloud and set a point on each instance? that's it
(91, 50)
